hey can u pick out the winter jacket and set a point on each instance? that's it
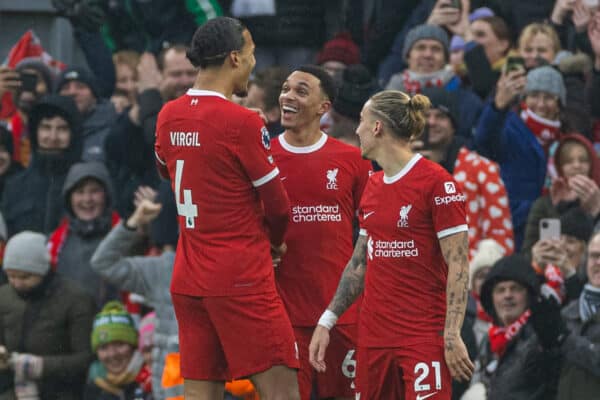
(130, 152)
(504, 138)
(580, 374)
(96, 127)
(524, 372)
(55, 322)
(151, 278)
(72, 245)
(32, 199)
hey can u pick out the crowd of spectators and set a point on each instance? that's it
(88, 230)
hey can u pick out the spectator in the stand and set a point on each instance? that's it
(559, 262)
(32, 199)
(3, 239)
(520, 357)
(577, 185)
(488, 43)
(580, 373)
(120, 100)
(98, 114)
(488, 214)
(160, 80)
(263, 93)
(570, 19)
(337, 54)
(538, 44)
(520, 142)
(576, 115)
(45, 329)
(24, 97)
(126, 62)
(119, 373)
(356, 88)
(593, 89)
(149, 276)
(8, 166)
(426, 51)
(87, 198)
(487, 253)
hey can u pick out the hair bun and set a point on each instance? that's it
(419, 103)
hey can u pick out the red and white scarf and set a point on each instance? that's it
(500, 336)
(545, 130)
(413, 83)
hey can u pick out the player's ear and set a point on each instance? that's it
(325, 106)
(234, 58)
(377, 128)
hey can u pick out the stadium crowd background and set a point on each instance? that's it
(515, 88)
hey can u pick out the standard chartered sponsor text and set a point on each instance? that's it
(396, 249)
(317, 213)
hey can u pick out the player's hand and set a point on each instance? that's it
(318, 346)
(145, 212)
(277, 252)
(457, 358)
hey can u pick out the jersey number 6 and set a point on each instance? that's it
(186, 209)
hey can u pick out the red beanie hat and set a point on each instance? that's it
(341, 48)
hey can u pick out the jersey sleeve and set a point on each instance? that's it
(362, 209)
(161, 161)
(448, 207)
(255, 151)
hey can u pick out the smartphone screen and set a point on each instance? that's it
(28, 82)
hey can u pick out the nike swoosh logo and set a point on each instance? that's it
(419, 397)
(283, 178)
(367, 215)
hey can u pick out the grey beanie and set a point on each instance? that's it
(425, 32)
(27, 251)
(546, 79)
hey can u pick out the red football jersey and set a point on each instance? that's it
(403, 218)
(324, 183)
(217, 153)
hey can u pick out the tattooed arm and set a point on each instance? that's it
(353, 279)
(455, 249)
(350, 287)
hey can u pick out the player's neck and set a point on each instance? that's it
(393, 158)
(214, 81)
(303, 137)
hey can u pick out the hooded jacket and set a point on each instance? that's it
(72, 244)
(32, 199)
(543, 207)
(525, 371)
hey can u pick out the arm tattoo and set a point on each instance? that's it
(353, 279)
(455, 249)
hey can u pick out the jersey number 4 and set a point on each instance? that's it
(187, 209)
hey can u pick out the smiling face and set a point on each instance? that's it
(88, 199)
(53, 134)
(302, 101)
(539, 46)
(426, 56)
(574, 159)
(440, 128)
(544, 104)
(510, 301)
(115, 356)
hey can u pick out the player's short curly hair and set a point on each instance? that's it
(327, 83)
(213, 41)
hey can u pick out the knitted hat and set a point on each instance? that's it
(113, 324)
(78, 74)
(424, 31)
(443, 100)
(27, 252)
(488, 252)
(36, 63)
(457, 43)
(357, 86)
(479, 13)
(146, 331)
(577, 224)
(341, 48)
(546, 79)
(510, 268)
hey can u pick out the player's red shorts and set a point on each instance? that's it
(416, 372)
(224, 338)
(338, 380)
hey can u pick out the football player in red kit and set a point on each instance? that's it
(233, 212)
(411, 260)
(324, 179)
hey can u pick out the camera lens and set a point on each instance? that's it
(544, 225)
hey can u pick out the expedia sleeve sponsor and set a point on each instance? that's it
(440, 200)
(317, 213)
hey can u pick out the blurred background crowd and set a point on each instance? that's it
(85, 310)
